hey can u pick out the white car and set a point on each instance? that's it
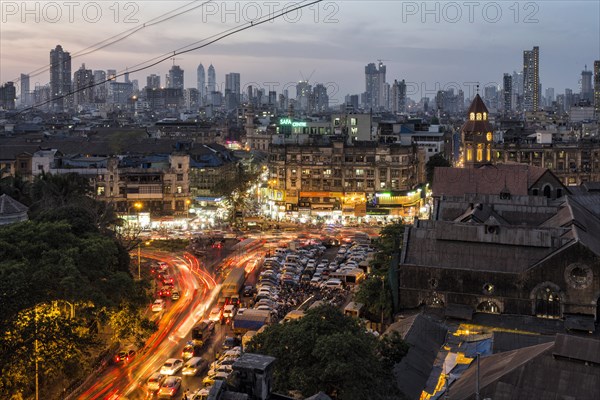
(229, 311)
(215, 314)
(333, 283)
(170, 387)
(158, 305)
(171, 366)
(155, 380)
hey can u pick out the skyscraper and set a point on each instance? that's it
(153, 81)
(60, 77)
(201, 83)
(375, 86)
(398, 97)
(321, 98)
(8, 94)
(531, 79)
(100, 90)
(303, 96)
(176, 77)
(507, 92)
(549, 96)
(25, 90)
(83, 86)
(211, 86)
(232, 90)
(597, 88)
(587, 91)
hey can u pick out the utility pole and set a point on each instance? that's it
(139, 260)
(37, 386)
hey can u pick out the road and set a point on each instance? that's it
(199, 288)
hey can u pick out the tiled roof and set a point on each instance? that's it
(488, 179)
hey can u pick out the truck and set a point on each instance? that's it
(233, 284)
(250, 320)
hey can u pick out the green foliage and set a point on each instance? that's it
(235, 190)
(62, 274)
(392, 349)
(436, 160)
(170, 245)
(389, 240)
(375, 294)
(326, 351)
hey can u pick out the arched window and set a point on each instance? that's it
(478, 116)
(547, 303)
(489, 307)
(484, 116)
(488, 153)
(547, 191)
(472, 116)
(469, 154)
(479, 153)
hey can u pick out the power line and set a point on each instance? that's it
(121, 36)
(184, 50)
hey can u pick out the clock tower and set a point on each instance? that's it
(476, 134)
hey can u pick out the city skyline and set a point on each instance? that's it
(479, 51)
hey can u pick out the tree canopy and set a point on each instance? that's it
(326, 351)
(63, 274)
(436, 160)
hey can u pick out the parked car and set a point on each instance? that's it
(171, 366)
(195, 366)
(124, 356)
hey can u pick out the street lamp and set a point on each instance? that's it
(187, 208)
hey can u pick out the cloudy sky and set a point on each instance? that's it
(431, 45)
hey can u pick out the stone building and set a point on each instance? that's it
(506, 240)
(331, 176)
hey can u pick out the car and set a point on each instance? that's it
(175, 295)
(166, 279)
(201, 394)
(230, 342)
(165, 291)
(195, 366)
(248, 291)
(171, 366)
(333, 283)
(190, 350)
(158, 305)
(155, 380)
(315, 280)
(229, 311)
(210, 379)
(170, 387)
(215, 314)
(124, 356)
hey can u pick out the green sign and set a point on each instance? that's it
(295, 124)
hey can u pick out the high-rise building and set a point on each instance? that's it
(176, 77)
(517, 83)
(232, 90)
(211, 86)
(375, 86)
(25, 90)
(126, 77)
(597, 88)
(8, 94)
(201, 83)
(398, 97)
(507, 92)
(111, 74)
(303, 96)
(101, 89)
(569, 101)
(83, 86)
(549, 96)
(587, 90)
(60, 77)
(320, 98)
(153, 81)
(531, 79)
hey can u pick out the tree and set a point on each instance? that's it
(374, 293)
(326, 351)
(235, 191)
(436, 160)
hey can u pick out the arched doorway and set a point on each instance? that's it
(547, 303)
(489, 307)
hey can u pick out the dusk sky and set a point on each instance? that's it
(454, 44)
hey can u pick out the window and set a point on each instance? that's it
(179, 177)
(179, 165)
(327, 172)
(488, 307)
(488, 153)
(360, 172)
(472, 116)
(100, 191)
(484, 116)
(179, 189)
(353, 121)
(478, 117)
(382, 185)
(479, 153)
(547, 303)
(306, 171)
(469, 154)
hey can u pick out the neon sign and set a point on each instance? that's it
(294, 124)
